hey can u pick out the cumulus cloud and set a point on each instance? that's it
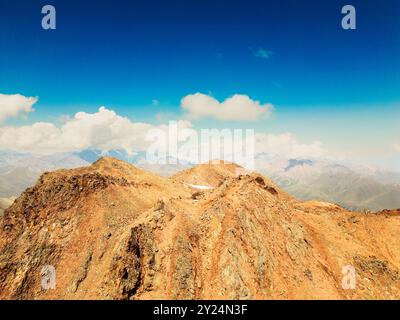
(12, 105)
(104, 130)
(287, 145)
(236, 108)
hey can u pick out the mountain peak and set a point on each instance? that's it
(212, 173)
(108, 160)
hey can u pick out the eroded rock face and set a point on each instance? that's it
(126, 270)
(112, 231)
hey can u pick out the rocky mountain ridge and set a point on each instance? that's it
(114, 231)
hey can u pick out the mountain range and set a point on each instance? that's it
(354, 187)
(111, 230)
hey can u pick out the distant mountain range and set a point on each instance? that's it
(21, 170)
(351, 186)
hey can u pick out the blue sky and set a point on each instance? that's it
(337, 86)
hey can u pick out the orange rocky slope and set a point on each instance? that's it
(113, 231)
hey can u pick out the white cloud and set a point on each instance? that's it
(103, 130)
(286, 145)
(13, 105)
(236, 108)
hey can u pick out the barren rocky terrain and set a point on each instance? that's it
(113, 231)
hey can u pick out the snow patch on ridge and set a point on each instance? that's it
(199, 187)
